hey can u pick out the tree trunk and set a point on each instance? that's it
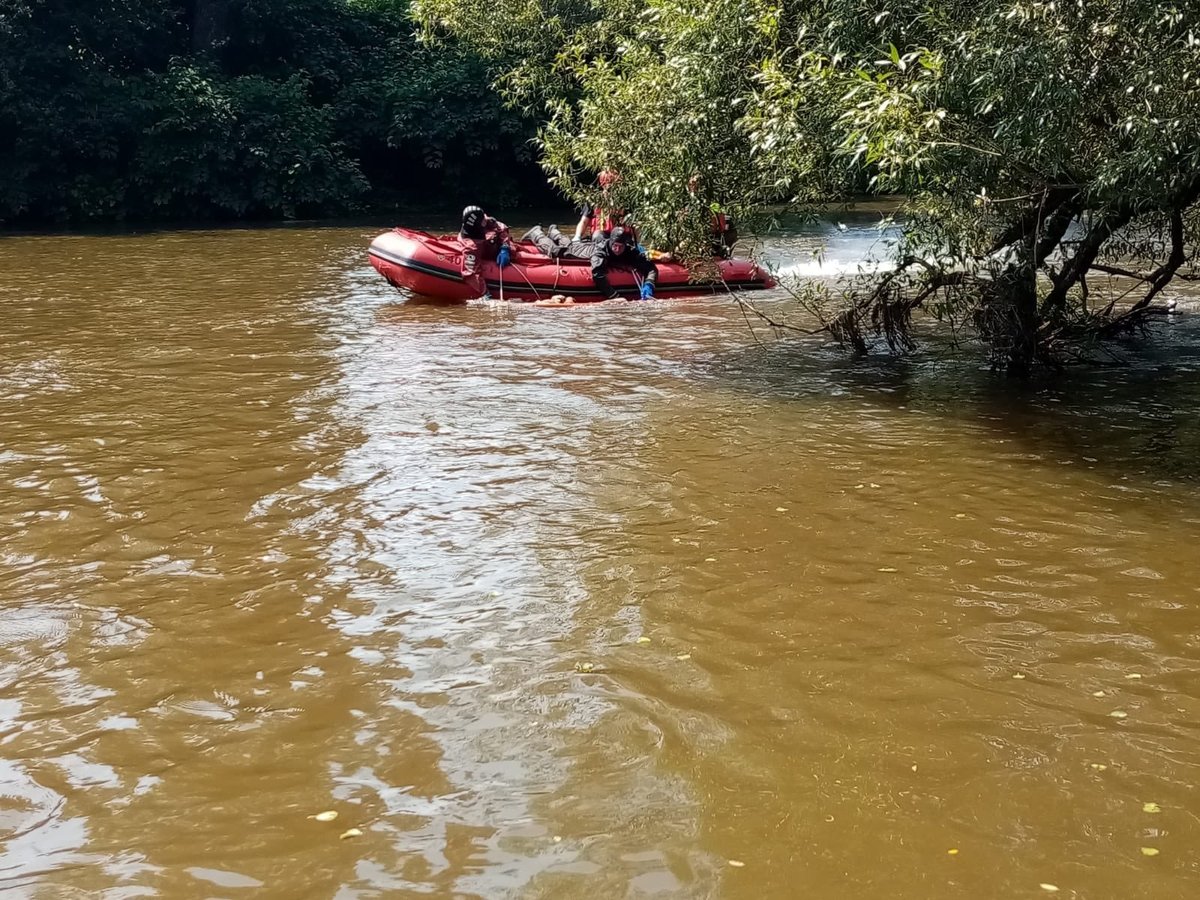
(209, 21)
(1026, 320)
(1008, 318)
(1016, 310)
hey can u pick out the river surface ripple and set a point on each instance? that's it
(625, 601)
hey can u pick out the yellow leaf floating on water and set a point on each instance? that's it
(1099, 767)
(349, 833)
(1049, 888)
(1118, 714)
(683, 656)
(585, 667)
(1019, 677)
(328, 816)
(781, 509)
(710, 559)
(1149, 851)
(887, 569)
(953, 851)
(1133, 675)
(643, 640)
(737, 863)
(1151, 808)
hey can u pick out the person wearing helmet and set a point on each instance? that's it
(482, 238)
(620, 248)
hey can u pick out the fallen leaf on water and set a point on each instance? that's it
(874, 485)
(683, 656)
(643, 640)
(1118, 714)
(914, 768)
(585, 667)
(953, 851)
(1098, 694)
(1151, 808)
(1052, 888)
(1099, 767)
(710, 559)
(349, 833)
(887, 569)
(859, 487)
(1149, 851)
(781, 509)
(961, 516)
(328, 816)
(1133, 675)
(737, 863)
(1019, 676)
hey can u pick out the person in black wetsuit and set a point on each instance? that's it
(618, 248)
(555, 244)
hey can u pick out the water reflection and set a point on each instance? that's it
(585, 602)
(1133, 418)
(883, 645)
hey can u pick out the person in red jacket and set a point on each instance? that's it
(723, 230)
(603, 218)
(483, 238)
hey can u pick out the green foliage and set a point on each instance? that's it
(117, 110)
(1061, 132)
(656, 90)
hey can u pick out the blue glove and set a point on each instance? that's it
(647, 291)
(503, 258)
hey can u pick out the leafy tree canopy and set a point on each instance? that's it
(1044, 147)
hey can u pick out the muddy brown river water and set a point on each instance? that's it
(615, 602)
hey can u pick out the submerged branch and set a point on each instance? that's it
(746, 305)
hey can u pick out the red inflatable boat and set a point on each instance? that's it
(433, 266)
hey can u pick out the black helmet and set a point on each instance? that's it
(472, 221)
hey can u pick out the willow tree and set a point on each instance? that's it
(1049, 152)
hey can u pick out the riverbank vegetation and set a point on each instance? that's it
(1048, 150)
(150, 109)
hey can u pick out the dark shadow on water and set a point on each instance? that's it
(1140, 419)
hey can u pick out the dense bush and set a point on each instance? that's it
(150, 109)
